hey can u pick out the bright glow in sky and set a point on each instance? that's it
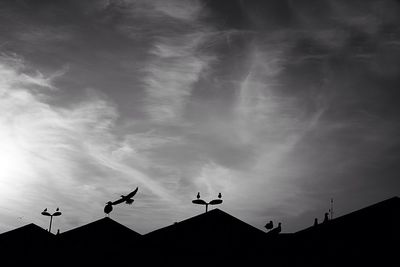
(279, 105)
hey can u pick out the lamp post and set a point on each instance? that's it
(56, 213)
(199, 201)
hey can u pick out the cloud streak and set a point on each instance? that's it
(47, 150)
(176, 61)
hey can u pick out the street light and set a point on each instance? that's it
(56, 213)
(199, 201)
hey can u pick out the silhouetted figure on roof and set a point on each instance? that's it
(315, 221)
(198, 195)
(326, 217)
(269, 225)
(276, 230)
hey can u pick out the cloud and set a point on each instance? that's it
(179, 9)
(275, 111)
(62, 156)
(175, 60)
(171, 74)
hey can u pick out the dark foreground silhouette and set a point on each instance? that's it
(367, 237)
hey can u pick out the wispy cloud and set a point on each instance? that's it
(172, 73)
(176, 61)
(270, 103)
(60, 156)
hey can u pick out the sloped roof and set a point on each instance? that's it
(214, 235)
(104, 224)
(24, 245)
(386, 213)
(26, 230)
(215, 222)
(102, 242)
(102, 230)
(361, 238)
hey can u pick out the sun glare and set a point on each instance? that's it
(13, 159)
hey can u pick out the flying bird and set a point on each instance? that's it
(127, 199)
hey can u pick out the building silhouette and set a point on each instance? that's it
(25, 245)
(103, 242)
(214, 237)
(366, 237)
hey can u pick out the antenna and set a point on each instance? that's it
(331, 209)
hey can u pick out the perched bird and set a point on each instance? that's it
(45, 213)
(219, 195)
(276, 230)
(57, 209)
(326, 218)
(198, 195)
(315, 221)
(108, 208)
(269, 225)
(279, 228)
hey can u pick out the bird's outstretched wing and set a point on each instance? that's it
(119, 201)
(126, 198)
(131, 194)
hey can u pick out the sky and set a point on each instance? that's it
(279, 105)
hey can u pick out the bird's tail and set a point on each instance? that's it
(129, 201)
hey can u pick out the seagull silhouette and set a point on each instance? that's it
(269, 225)
(276, 230)
(108, 208)
(326, 218)
(127, 199)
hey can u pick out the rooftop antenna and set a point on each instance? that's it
(331, 209)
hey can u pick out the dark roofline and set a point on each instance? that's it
(356, 212)
(26, 227)
(89, 225)
(196, 217)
